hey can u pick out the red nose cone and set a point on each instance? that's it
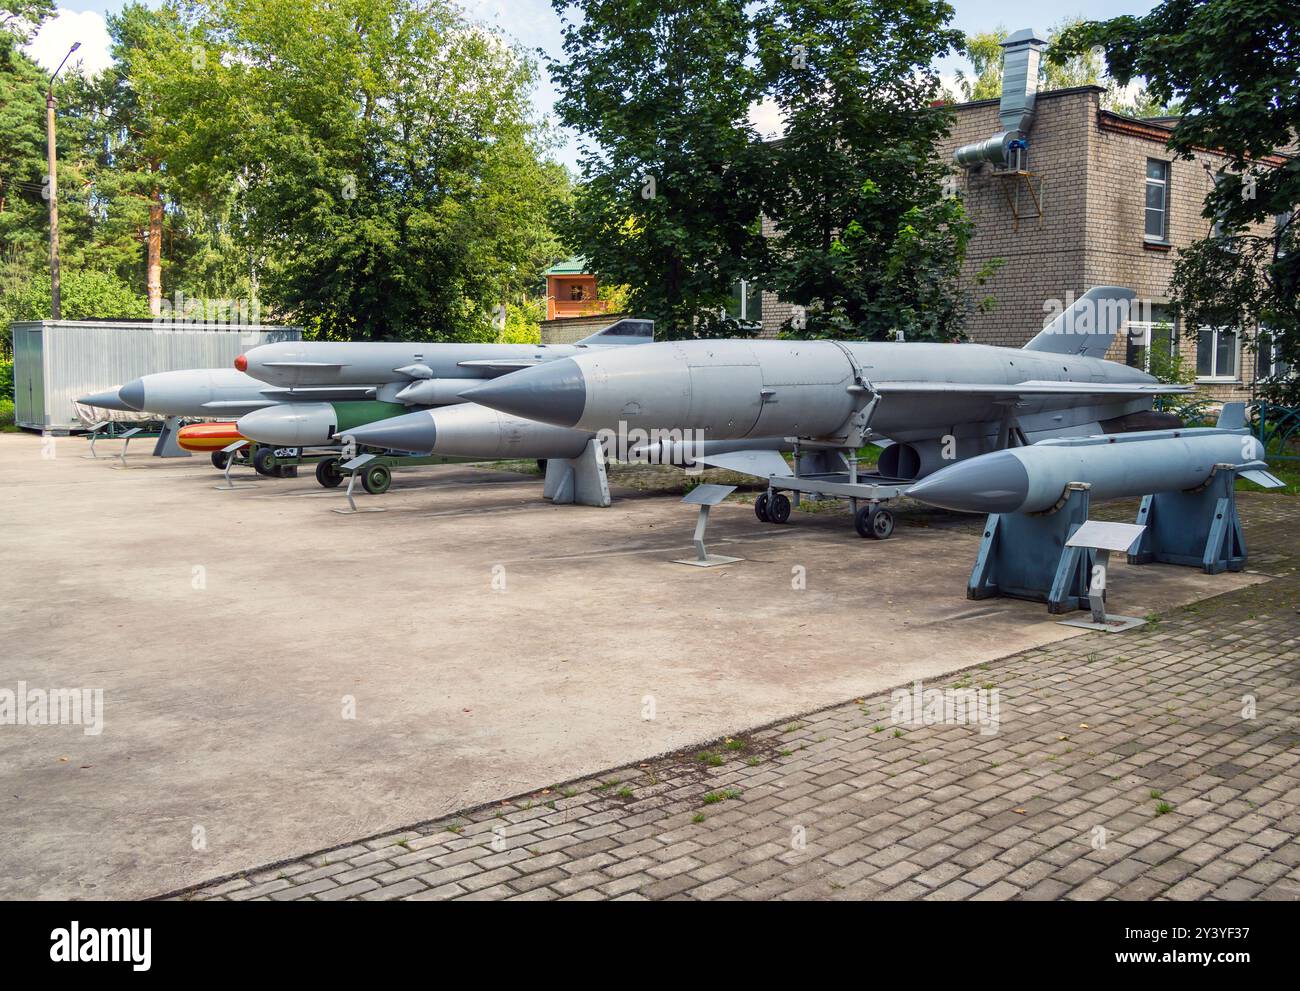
(241, 363)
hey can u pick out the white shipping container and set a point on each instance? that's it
(58, 361)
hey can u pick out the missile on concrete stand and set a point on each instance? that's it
(846, 393)
(1033, 479)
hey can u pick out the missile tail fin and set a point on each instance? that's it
(1233, 417)
(1089, 326)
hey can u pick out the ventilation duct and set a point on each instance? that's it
(1020, 57)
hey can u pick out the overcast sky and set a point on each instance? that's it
(536, 25)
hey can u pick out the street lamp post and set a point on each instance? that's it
(55, 308)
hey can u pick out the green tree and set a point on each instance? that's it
(1080, 68)
(866, 242)
(669, 202)
(1234, 65)
(84, 294)
(382, 154)
(984, 52)
(19, 19)
(24, 204)
(129, 165)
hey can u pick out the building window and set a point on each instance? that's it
(1157, 210)
(746, 303)
(1153, 344)
(576, 292)
(1216, 354)
(1268, 362)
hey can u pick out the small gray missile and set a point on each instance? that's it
(214, 392)
(470, 431)
(1034, 478)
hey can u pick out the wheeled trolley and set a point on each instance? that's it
(866, 491)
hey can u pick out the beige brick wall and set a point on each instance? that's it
(1091, 183)
(567, 330)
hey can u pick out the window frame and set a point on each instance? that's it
(1215, 375)
(1273, 362)
(1147, 327)
(1163, 237)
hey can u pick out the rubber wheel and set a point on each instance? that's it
(778, 508)
(219, 460)
(376, 479)
(327, 473)
(264, 462)
(874, 522)
(760, 508)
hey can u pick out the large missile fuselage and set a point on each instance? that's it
(740, 389)
(1116, 466)
(473, 431)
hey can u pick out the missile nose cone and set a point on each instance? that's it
(411, 432)
(108, 399)
(555, 392)
(992, 483)
(133, 394)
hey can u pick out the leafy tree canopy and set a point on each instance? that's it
(1083, 67)
(383, 151)
(670, 200)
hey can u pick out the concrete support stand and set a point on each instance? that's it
(581, 480)
(1198, 529)
(168, 445)
(1025, 556)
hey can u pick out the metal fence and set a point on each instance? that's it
(1278, 429)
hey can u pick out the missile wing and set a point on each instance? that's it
(1005, 391)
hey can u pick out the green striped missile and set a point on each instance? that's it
(312, 424)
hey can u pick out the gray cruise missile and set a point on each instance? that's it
(215, 392)
(968, 398)
(473, 431)
(424, 374)
(1033, 479)
(470, 431)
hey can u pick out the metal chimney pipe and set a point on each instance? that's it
(1021, 54)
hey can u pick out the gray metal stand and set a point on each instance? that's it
(1102, 538)
(230, 450)
(355, 467)
(1199, 529)
(1026, 556)
(706, 496)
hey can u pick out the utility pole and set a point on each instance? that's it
(55, 308)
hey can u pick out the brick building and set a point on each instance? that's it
(1096, 199)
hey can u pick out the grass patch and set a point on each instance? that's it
(714, 797)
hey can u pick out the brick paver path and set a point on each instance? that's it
(1161, 763)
